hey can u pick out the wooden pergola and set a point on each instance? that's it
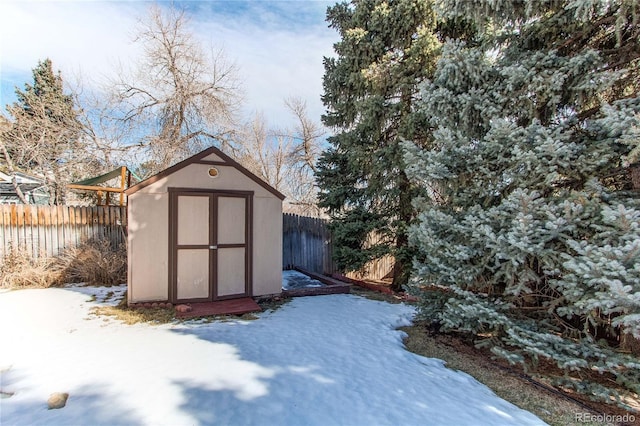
(92, 184)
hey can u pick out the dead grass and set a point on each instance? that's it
(20, 269)
(159, 316)
(129, 316)
(374, 295)
(272, 303)
(95, 262)
(122, 312)
(135, 316)
(550, 407)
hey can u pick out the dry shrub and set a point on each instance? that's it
(96, 262)
(20, 269)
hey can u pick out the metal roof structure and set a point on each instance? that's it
(93, 183)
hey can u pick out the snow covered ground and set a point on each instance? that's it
(294, 280)
(324, 360)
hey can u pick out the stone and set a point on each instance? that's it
(183, 308)
(57, 400)
(154, 305)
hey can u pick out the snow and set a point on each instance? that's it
(323, 360)
(293, 280)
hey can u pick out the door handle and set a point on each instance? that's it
(213, 247)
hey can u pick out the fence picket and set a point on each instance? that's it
(304, 244)
(307, 243)
(47, 230)
(60, 227)
(68, 227)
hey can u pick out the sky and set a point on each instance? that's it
(278, 46)
(321, 360)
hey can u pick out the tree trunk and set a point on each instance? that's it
(400, 270)
(628, 343)
(19, 192)
(403, 258)
(12, 170)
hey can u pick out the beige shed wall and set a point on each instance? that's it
(149, 228)
(196, 176)
(212, 157)
(267, 246)
(148, 247)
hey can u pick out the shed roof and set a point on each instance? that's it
(226, 161)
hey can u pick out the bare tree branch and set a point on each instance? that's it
(180, 98)
(285, 159)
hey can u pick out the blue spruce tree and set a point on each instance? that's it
(529, 238)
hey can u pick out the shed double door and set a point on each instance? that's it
(210, 247)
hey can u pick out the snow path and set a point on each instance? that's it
(324, 360)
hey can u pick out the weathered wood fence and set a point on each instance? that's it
(307, 243)
(47, 230)
(379, 269)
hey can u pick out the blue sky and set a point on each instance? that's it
(278, 46)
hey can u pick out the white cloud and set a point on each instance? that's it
(278, 47)
(79, 37)
(282, 65)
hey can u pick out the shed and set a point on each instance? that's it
(205, 229)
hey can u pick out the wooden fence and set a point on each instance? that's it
(380, 269)
(307, 243)
(47, 230)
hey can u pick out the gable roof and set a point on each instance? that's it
(226, 161)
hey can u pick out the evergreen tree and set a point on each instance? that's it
(534, 242)
(45, 135)
(387, 49)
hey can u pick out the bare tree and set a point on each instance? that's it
(262, 153)
(180, 97)
(286, 159)
(108, 139)
(307, 137)
(307, 133)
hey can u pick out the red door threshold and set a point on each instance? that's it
(221, 307)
